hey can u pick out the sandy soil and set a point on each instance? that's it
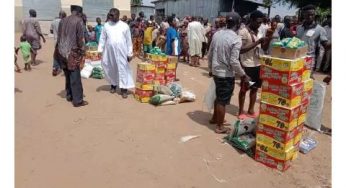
(114, 142)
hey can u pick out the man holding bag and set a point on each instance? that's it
(223, 63)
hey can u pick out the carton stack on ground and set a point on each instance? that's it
(144, 82)
(285, 97)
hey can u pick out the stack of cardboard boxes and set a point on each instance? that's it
(159, 70)
(285, 97)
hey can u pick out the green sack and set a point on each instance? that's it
(159, 99)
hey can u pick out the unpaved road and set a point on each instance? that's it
(114, 142)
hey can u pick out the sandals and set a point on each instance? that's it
(252, 115)
(242, 116)
(83, 103)
(223, 130)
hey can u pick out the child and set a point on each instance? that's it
(136, 39)
(185, 44)
(98, 28)
(15, 61)
(148, 40)
(26, 50)
(91, 34)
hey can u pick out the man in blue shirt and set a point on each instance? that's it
(172, 39)
(98, 29)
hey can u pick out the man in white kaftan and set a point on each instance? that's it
(195, 38)
(116, 47)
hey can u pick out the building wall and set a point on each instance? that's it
(122, 5)
(205, 8)
(147, 11)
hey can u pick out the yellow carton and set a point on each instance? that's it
(142, 99)
(160, 70)
(172, 59)
(272, 142)
(145, 87)
(283, 65)
(289, 154)
(171, 66)
(289, 53)
(308, 84)
(146, 66)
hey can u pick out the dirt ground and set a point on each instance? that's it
(115, 142)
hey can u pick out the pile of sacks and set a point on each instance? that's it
(170, 95)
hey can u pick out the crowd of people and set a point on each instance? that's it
(233, 45)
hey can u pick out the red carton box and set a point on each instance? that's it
(143, 93)
(159, 76)
(280, 77)
(289, 96)
(302, 112)
(160, 82)
(279, 134)
(307, 91)
(279, 117)
(271, 162)
(307, 68)
(145, 76)
(170, 75)
(160, 64)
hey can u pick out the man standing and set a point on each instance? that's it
(32, 31)
(312, 33)
(70, 52)
(116, 47)
(249, 56)
(172, 40)
(206, 32)
(223, 63)
(195, 34)
(54, 30)
(286, 31)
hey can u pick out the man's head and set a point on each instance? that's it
(205, 21)
(273, 24)
(62, 14)
(151, 17)
(114, 14)
(171, 21)
(217, 22)
(90, 28)
(98, 21)
(309, 12)
(173, 15)
(141, 14)
(288, 21)
(76, 10)
(133, 16)
(256, 19)
(23, 38)
(277, 18)
(32, 13)
(193, 18)
(233, 21)
(124, 19)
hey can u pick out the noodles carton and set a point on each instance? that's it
(288, 96)
(278, 134)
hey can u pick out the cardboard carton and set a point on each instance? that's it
(271, 162)
(171, 66)
(289, 53)
(279, 117)
(272, 142)
(160, 70)
(160, 64)
(289, 96)
(146, 87)
(142, 99)
(303, 112)
(145, 67)
(279, 135)
(307, 91)
(278, 154)
(143, 93)
(159, 76)
(280, 77)
(307, 68)
(160, 82)
(172, 59)
(146, 77)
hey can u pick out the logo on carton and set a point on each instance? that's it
(268, 61)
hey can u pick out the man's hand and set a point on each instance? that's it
(129, 58)
(246, 79)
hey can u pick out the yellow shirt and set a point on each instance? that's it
(148, 38)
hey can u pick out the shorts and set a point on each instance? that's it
(254, 74)
(147, 48)
(224, 89)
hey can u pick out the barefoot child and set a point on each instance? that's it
(26, 50)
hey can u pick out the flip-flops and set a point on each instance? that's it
(252, 115)
(242, 116)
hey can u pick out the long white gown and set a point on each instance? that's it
(116, 45)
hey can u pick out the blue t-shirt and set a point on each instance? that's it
(171, 35)
(98, 30)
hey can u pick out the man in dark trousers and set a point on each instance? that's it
(69, 52)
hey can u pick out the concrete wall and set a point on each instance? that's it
(122, 5)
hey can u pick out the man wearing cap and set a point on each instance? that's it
(32, 31)
(223, 63)
(70, 52)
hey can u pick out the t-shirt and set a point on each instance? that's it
(251, 57)
(148, 37)
(172, 36)
(25, 48)
(98, 31)
(312, 36)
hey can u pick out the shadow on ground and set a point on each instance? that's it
(104, 88)
(201, 118)
(232, 109)
(16, 90)
(62, 94)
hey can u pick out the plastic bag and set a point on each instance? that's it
(161, 89)
(86, 71)
(187, 96)
(244, 142)
(97, 73)
(158, 99)
(175, 88)
(244, 127)
(168, 103)
(210, 96)
(314, 113)
(307, 144)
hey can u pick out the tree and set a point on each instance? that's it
(323, 4)
(136, 2)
